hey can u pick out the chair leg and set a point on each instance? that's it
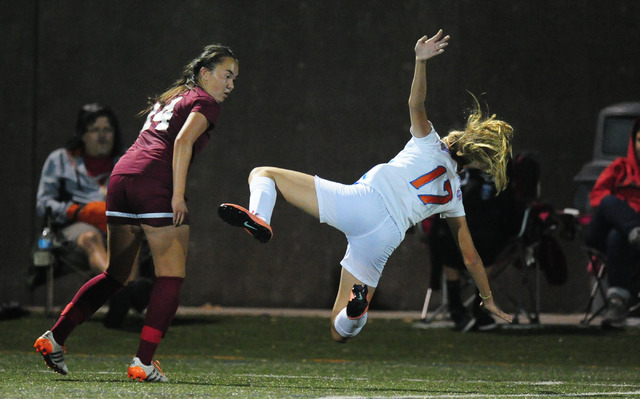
(48, 309)
(596, 289)
(437, 312)
(537, 300)
(528, 261)
(444, 305)
(634, 307)
(425, 307)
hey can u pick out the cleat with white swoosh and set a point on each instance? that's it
(238, 216)
(359, 302)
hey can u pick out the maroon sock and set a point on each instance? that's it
(162, 308)
(89, 298)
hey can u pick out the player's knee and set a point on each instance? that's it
(337, 337)
(259, 171)
(89, 240)
(255, 172)
(344, 327)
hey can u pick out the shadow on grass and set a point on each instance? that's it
(134, 323)
(269, 387)
(555, 329)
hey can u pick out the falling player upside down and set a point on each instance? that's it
(375, 212)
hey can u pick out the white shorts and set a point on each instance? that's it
(361, 214)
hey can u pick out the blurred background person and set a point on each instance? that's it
(74, 179)
(615, 228)
(73, 185)
(493, 219)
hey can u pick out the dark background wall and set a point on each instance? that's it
(322, 89)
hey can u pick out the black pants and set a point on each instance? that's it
(609, 231)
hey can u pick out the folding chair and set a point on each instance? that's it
(598, 296)
(521, 253)
(523, 249)
(438, 282)
(64, 258)
(597, 302)
(61, 259)
(536, 252)
(441, 310)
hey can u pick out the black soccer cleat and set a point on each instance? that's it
(359, 303)
(237, 216)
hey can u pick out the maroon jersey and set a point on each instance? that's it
(152, 152)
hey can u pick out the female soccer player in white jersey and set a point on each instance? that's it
(375, 212)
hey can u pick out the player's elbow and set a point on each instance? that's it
(182, 141)
(415, 104)
(473, 263)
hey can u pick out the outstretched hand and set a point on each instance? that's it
(430, 47)
(489, 306)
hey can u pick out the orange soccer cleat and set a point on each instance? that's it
(52, 353)
(237, 216)
(142, 372)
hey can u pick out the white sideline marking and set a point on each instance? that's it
(311, 377)
(595, 384)
(470, 395)
(478, 395)
(443, 396)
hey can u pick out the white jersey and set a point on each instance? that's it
(418, 182)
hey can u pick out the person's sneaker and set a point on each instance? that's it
(52, 353)
(238, 216)
(634, 237)
(463, 322)
(141, 372)
(616, 314)
(359, 302)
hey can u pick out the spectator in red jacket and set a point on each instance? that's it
(615, 227)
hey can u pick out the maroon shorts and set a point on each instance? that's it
(136, 199)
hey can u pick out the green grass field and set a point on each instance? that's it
(285, 357)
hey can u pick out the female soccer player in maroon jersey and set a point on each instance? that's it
(145, 198)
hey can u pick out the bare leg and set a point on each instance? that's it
(347, 280)
(297, 188)
(124, 243)
(169, 246)
(92, 244)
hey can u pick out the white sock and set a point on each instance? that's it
(347, 327)
(263, 197)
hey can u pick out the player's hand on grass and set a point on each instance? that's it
(488, 306)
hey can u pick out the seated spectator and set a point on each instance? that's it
(492, 221)
(615, 227)
(73, 184)
(74, 181)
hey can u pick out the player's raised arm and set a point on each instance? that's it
(425, 48)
